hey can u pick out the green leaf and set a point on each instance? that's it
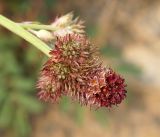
(11, 66)
(30, 103)
(6, 113)
(21, 123)
(32, 56)
(3, 95)
(23, 84)
(9, 45)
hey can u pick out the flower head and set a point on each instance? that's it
(74, 70)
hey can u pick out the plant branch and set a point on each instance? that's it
(37, 26)
(17, 29)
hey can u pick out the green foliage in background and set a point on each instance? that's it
(19, 65)
(19, 68)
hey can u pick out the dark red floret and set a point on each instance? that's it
(114, 91)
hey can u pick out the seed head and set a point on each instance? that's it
(74, 70)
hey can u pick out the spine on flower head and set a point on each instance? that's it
(75, 70)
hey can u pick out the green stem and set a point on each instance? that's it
(37, 26)
(15, 28)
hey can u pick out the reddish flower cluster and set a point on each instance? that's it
(112, 93)
(74, 70)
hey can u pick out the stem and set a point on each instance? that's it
(37, 26)
(15, 28)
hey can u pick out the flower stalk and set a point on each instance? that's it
(37, 26)
(20, 31)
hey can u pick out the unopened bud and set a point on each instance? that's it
(43, 35)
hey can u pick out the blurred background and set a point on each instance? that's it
(128, 35)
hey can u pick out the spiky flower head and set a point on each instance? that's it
(74, 70)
